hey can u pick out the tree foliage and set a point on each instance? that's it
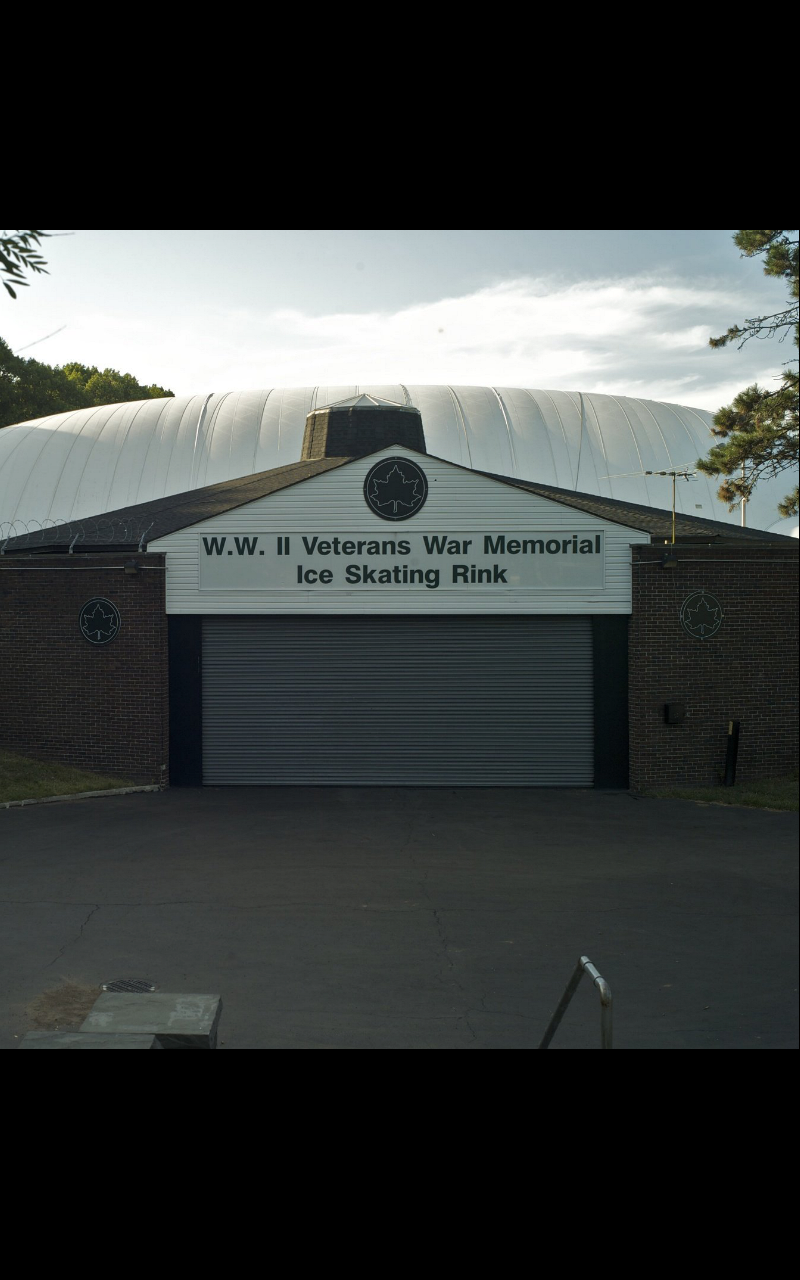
(19, 252)
(759, 430)
(109, 386)
(31, 389)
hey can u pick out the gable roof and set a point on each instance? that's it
(132, 528)
(129, 527)
(652, 520)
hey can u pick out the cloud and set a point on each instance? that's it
(637, 336)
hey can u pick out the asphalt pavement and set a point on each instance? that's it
(412, 919)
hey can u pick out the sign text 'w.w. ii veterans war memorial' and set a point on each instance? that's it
(537, 561)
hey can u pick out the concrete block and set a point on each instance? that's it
(79, 1040)
(178, 1021)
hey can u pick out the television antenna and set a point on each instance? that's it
(682, 474)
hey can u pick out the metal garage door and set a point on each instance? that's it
(398, 701)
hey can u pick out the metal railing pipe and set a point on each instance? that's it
(606, 1005)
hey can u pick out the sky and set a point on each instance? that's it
(624, 312)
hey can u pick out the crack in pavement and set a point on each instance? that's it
(61, 902)
(215, 902)
(442, 934)
(777, 914)
(77, 937)
(469, 1025)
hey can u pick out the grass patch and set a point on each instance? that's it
(23, 779)
(772, 793)
(63, 1008)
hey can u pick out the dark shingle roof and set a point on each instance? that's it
(652, 520)
(148, 521)
(130, 527)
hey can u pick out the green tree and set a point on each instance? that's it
(19, 252)
(759, 430)
(31, 389)
(109, 386)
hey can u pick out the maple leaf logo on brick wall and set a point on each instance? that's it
(705, 617)
(702, 615)
(98, 624)
(395, 491)
(99, 621)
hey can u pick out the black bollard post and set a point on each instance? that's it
(734, 730)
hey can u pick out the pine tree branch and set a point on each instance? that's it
(761, 327)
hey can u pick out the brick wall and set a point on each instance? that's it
(748, 671)
(98, 707)
(106, 708)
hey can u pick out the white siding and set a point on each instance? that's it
(459, 502)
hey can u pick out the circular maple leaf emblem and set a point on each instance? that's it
(396, 489)
(701, 615)
(100, 621)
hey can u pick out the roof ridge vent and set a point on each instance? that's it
(360, 426)
(366, 401)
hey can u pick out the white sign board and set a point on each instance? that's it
(464, 562)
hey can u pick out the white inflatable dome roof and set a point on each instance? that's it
(75, 465)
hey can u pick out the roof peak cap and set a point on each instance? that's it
(366, 402)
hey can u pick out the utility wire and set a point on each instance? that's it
(38, 340)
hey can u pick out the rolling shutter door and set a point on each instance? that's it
(400, 701)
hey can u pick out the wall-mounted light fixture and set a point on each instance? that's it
(131, 568)
(669, 560)
(674, 712)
